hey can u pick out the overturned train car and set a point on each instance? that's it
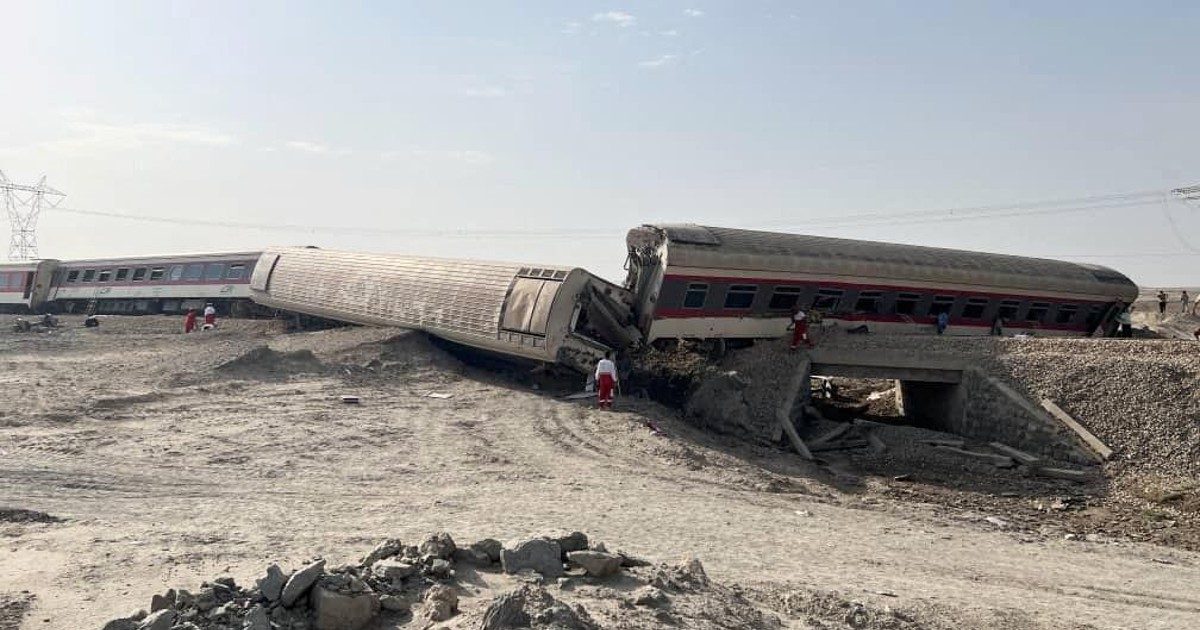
(549, 314)
(702, 282)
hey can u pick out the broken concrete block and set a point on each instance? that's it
(300, 582)
(596, 563)
(338, 611)
(440, 603)
(543, 556)
(393, 569)
(161, 620)
(271, 584)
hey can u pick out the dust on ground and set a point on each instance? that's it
(169, 467)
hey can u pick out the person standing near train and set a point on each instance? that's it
(1162, 302)
(189, 321)
(210, 316)
(943, 320)
(799, 327)
(1184, 300)
(606, 381)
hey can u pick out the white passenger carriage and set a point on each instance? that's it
(154, 284)
(543, 313)
(700, 282)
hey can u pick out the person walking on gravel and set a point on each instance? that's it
(1125, 319)
(1162, 302)
(189, 321)
(606, 381)
(1184, 299)
(210, 317)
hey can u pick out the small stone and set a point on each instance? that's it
(271, 584)
(386, 549)
(440, 603)
(596, 563)
(440, 568)
(650, 597)
(393, 569)
(162, 602)
(538, 554)
(337, 611)
(574, 541)
(161, 620)
(472, 556)
(439, 545)
(489, 546)
(226, 581)
(257, 619)
(393, 603)
(1071, 537)
(300, 582)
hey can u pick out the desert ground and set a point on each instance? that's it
(137, 459)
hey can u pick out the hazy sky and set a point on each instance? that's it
(592, 117)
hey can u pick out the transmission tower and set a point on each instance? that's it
(23, 204)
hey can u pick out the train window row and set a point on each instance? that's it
(780, 299)
(174, 273)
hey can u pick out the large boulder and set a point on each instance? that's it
(257, 619)
(538, 554)
(161, 620)
(333, 610)
(300, 582)
(719, 403)
(596, 563)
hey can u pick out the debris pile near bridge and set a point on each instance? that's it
(561, 581)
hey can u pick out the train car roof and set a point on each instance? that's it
(162, 258)
(723, 248)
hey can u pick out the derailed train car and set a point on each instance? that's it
(543, 313)
(699, 282)
(25, 286)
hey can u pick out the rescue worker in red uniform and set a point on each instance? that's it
(606, 381)
(210, 316)
(189, 321)
(799, 328)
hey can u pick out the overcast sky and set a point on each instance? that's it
(401, 121)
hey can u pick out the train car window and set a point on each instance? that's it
(697, 293)
(236, 272)
(73, 275)
(1008, 309)
(104, 276)
(176, 273)
(89, 275)
(784, 298)
(740, 296)
(975, 308)
(1037, 312)
(122, 274)
(906, 303)
(156, 273)
(3, 280)
(214, 271)
(139, 274)
(193, 272)
(868, 301)
(827, 299)
(941, 304)
(1065, 314)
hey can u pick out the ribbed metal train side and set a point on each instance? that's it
(534, 312)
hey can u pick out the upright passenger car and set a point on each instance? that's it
(154, 284)
(538, 312)
(698, 282)
(25, 286)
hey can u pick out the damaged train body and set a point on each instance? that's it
(542, 313)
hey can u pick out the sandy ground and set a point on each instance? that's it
(170, 469)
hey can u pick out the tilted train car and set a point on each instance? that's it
(543, 313)
(25, 286)
(697, 282)
(154, 284)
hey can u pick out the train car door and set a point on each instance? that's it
(28, 284)
(260, 279)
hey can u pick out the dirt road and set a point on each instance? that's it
(171, 466)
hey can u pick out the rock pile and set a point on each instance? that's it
(393, 579)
